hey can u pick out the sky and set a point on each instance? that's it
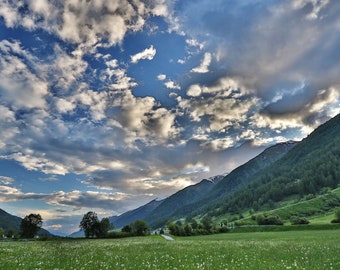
(106, 105)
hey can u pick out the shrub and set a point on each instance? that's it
(268, 220)
(337, 215)
(295, 220)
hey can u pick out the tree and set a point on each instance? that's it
(92, 227)
(10, 233)
(207, 223)
(268, 220)
(139, 227)
(337, 215)
(90, 224)
(30, 225)
(194, 224)
(295, 220)
(127, 229)
(173, 228)
(104, 227)
(1, 232)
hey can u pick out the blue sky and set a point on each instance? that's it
(106, 105)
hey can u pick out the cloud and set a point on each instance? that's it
(148, 54)
(161, 77)
(204, 66)
(75, 198)
(100, 23)
(172, 85)
(225, 104)
(194, 90)
(5, 180)
(143, 118)
(280, 68)
(19, 85)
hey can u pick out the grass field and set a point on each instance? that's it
(269, 250)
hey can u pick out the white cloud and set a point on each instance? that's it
(64, 106)
(144, 119)
(148, 54)
(172, 85)
(5, 180)
(204, 65)
(194, 90)
(161, 77)
(90, 23)
(195, 43)
(19, 86)
(219, 144)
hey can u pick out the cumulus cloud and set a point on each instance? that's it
(144, 119)
(280, 68)
(172, 85)
(19, 85)
(102, 23)
(204, 65)
(148, 54)
(161, 77)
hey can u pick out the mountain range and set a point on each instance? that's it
(279, 172)
(201, 195)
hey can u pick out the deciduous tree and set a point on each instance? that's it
(30, 225)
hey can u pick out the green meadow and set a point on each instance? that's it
(317, 249)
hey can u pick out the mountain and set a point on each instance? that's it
(196, 197)
(133, 215)
(10, 222)
(309, 168)
(78, 234)
(188, 195)
(238, 179)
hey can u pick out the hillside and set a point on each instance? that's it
(310, 167)
(238, 179)
(181, 198)
(133, 215)
(10, 222)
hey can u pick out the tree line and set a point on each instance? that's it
(93, 228)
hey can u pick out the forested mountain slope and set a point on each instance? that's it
(188, 195)
(238, 179)
(133, 215)
(309, 167)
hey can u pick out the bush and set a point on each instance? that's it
(294, 220)
(268, 220)
(337, 215)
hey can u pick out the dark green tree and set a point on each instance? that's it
(90, 224)
(337, 215)
(127, 229)
(173, 228)
(207, 223)
(10, 233)
(30, 225)
(139, 227)
(194, 224)
(295, 220)
(104, 227)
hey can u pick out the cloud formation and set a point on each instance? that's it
(148, 54)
